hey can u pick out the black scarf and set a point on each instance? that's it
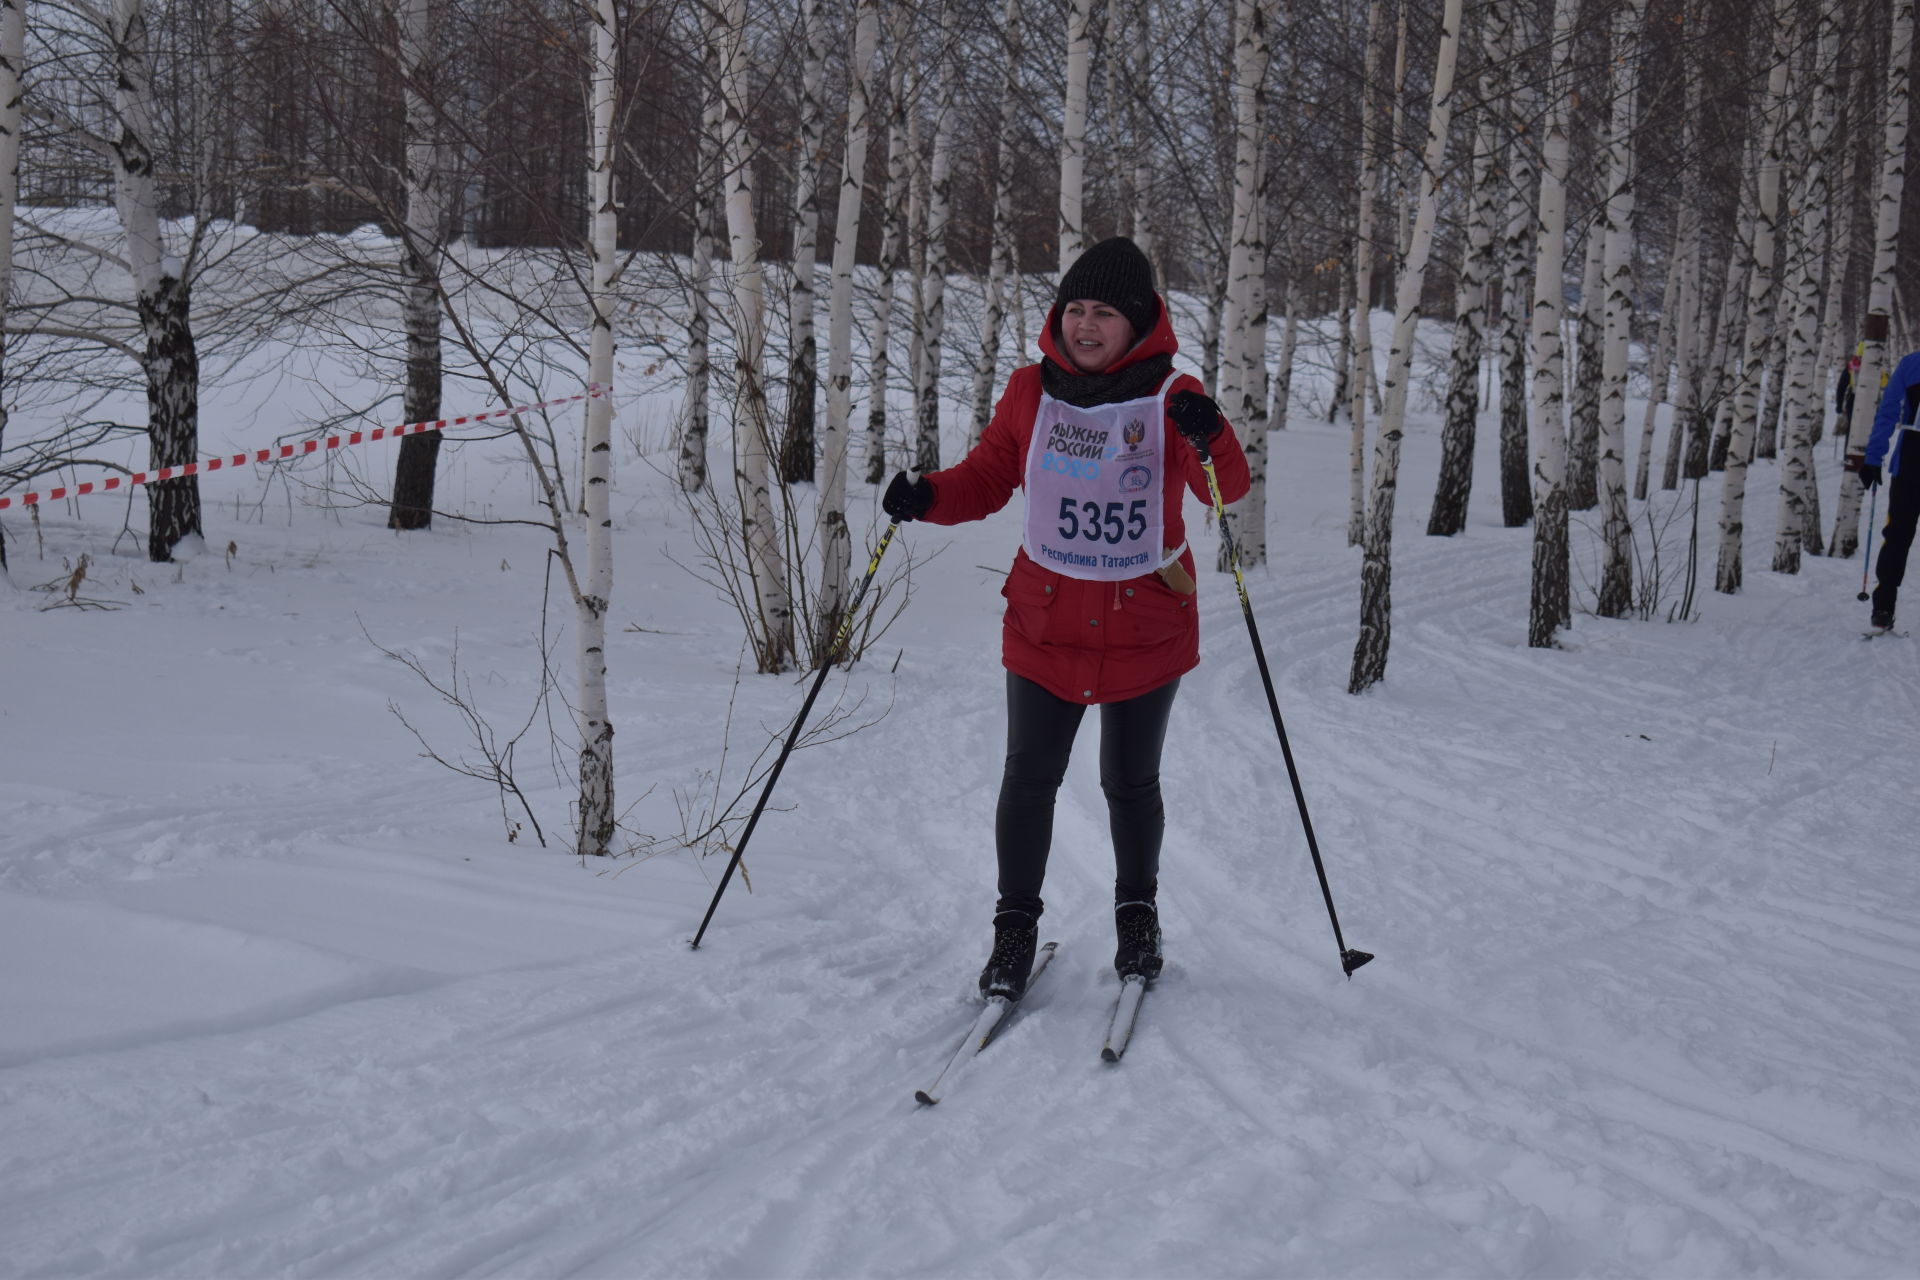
(1085, 390)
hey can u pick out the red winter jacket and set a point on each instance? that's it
(1086, 641)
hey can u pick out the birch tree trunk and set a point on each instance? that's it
(1455, 486)
(13, 63)
(1550, 606)
(1873, 355)
(1073, 133)
(1805, 402)
(1766, 431)
(926, 453)
(1211, 371)
(1583, 431)
(1376, 610)
(1343, 358)
(918, 203)
(162, 296)
(1515, 284)
(596, 588)
(1516, 290)
(893, 236)
(752, 440)
(1686, 396)
(1139, 130)
(836, 542)
(1833, 328)
(423, 248)
(1371, 145)
(798, 442)
(1001, 264)
(1247, 278)
(1616, 572)
(1659, 370)
(1733, 486)
(1289, 343)
(693, 432)
(1721, 363)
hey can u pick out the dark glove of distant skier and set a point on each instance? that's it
(907, 498)
(1869, 476)
(1196, 417)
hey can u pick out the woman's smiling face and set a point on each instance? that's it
(1094, 335)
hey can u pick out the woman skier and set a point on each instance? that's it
(1105, 438)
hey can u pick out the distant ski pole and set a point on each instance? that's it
(1866, 562)
(1349, 959)
(793, 735)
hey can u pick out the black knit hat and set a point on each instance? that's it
(1117, 273)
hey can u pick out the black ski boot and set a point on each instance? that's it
(1014, 936)
(1138, 925)
(1881, 622)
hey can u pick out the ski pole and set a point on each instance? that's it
(793, 735)
(1349, 959)
(1866, 563)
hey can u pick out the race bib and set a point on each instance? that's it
(1096, 481)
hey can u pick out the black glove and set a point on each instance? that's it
(907, 498)
(1195, 417)
(1869, 476)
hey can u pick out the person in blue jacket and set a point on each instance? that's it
(1895, 447)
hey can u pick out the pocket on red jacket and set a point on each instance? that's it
(1029, 605)
(1151, 614)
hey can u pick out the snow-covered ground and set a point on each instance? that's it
(277, 996)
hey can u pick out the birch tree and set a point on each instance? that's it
(1874, 327)
(836, 541)
(803, 368)
(1278, 414)
(752, 444)
(1371, 147)
(1659, 370)
(596, 589)
(1073, 132)
(1833, 329)
(1686, 395)
(1804, 399)
(13, 61)
(1247, 277)
(1516, 493)
(932, 330)
(162, 294)
(1000, 269)
(1455, 485)
(1376, 610)
(1139, 131)
(1343, 367)
(1550, 606)
(1733, 486)
(893, 237)
(423, 237)
(1616, 573)
(706, 184)
(1703, 456)
(1583, 427)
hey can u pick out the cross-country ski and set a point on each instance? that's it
(1126, 1010)
(997, 1012)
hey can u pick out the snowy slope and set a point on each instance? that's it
(277, 997)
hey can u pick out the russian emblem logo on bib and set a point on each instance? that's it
(1095, 486)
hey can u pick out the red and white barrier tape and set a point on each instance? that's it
(285, 451)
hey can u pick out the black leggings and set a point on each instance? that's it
(1896, 535)
(1040, 732)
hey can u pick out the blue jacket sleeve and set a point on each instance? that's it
(1893, 404)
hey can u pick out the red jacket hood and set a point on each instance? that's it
(1159, 341)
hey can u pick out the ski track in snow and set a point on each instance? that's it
(280, 1001)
